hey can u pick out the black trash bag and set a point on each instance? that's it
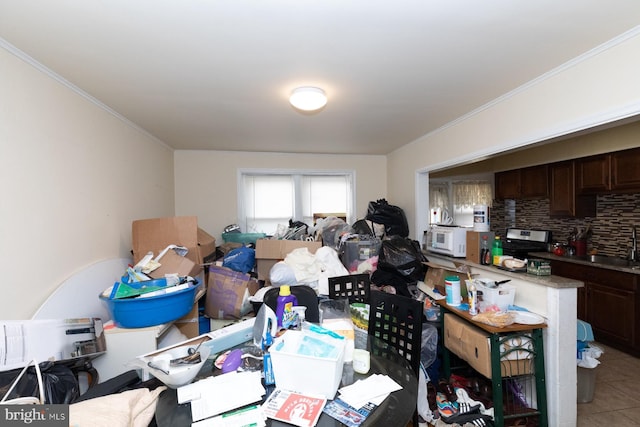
(362, 227)
(400, 264)
(59, 383)
(392, 217)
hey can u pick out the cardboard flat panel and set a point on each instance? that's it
(157, 233)
(269, 252)
(436, 274)
(472, 345)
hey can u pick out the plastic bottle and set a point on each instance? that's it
(471, 296)
(484, 252)
(284, 307)
(496, 250)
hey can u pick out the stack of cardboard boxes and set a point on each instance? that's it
(154, 235)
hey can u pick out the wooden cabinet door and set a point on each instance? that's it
(582, 304)
(534, 181)
(593, 174)
(573, 271)
(561, 189)
(611, 313)
(625, 170)
(563, 200)
(507, 184)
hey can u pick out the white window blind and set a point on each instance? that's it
(269, 199)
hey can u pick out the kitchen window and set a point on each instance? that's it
(452, 201)
(467, 194)
(269, 199)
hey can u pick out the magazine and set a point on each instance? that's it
(346, 414)
(294, 408)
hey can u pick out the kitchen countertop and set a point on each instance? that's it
(577, 260)
(555, 298)
(549, 281)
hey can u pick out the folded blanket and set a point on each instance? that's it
(132, 408)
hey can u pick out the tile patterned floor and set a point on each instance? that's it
(616, 399)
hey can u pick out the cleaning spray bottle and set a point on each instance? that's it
(284, 307)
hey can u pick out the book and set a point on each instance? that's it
(348, 415)
(294, 408)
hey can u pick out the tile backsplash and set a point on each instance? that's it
(616, 214)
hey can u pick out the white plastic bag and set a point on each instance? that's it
(282, 274)
(304, 264)
(331, 267)
(590, 357)
(423, 403)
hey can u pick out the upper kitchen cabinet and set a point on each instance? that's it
(525, 183)
(614, 172)
(593, 174)
(625, 170)
(563, 200)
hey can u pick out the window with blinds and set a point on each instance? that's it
(272, 198)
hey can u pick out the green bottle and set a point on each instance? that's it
(496, 250)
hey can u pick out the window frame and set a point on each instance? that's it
(297, 176)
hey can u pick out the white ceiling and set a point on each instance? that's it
(216, 74)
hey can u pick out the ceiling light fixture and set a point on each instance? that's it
(308, 98)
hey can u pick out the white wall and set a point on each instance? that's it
(206, 181)
(72, 178)
(600, 87)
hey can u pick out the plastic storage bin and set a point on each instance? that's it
(243, 238)
(502, 296)
(314, 375)
(358, 252)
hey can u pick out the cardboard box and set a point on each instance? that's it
(436, 274)
(154, 235)
(228, 293)
(472, 345)
(189, 324)
(269, 252)
(474, 244)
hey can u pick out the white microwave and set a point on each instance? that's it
(447, 240)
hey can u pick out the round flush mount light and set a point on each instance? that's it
(308, 98)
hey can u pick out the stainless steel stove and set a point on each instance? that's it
(519, 242)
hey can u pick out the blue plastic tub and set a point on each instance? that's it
(151, 311)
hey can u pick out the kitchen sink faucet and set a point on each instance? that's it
(633, 253)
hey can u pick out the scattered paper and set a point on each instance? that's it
(215, 395)
(373, 389)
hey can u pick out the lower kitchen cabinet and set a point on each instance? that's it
(608, 302)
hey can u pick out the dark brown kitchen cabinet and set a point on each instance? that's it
(615, 172)
(572, 271)
(625, 170)
(608, 302)
(525, 183)
(563, 200)
(507, 184)
(593, 174)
